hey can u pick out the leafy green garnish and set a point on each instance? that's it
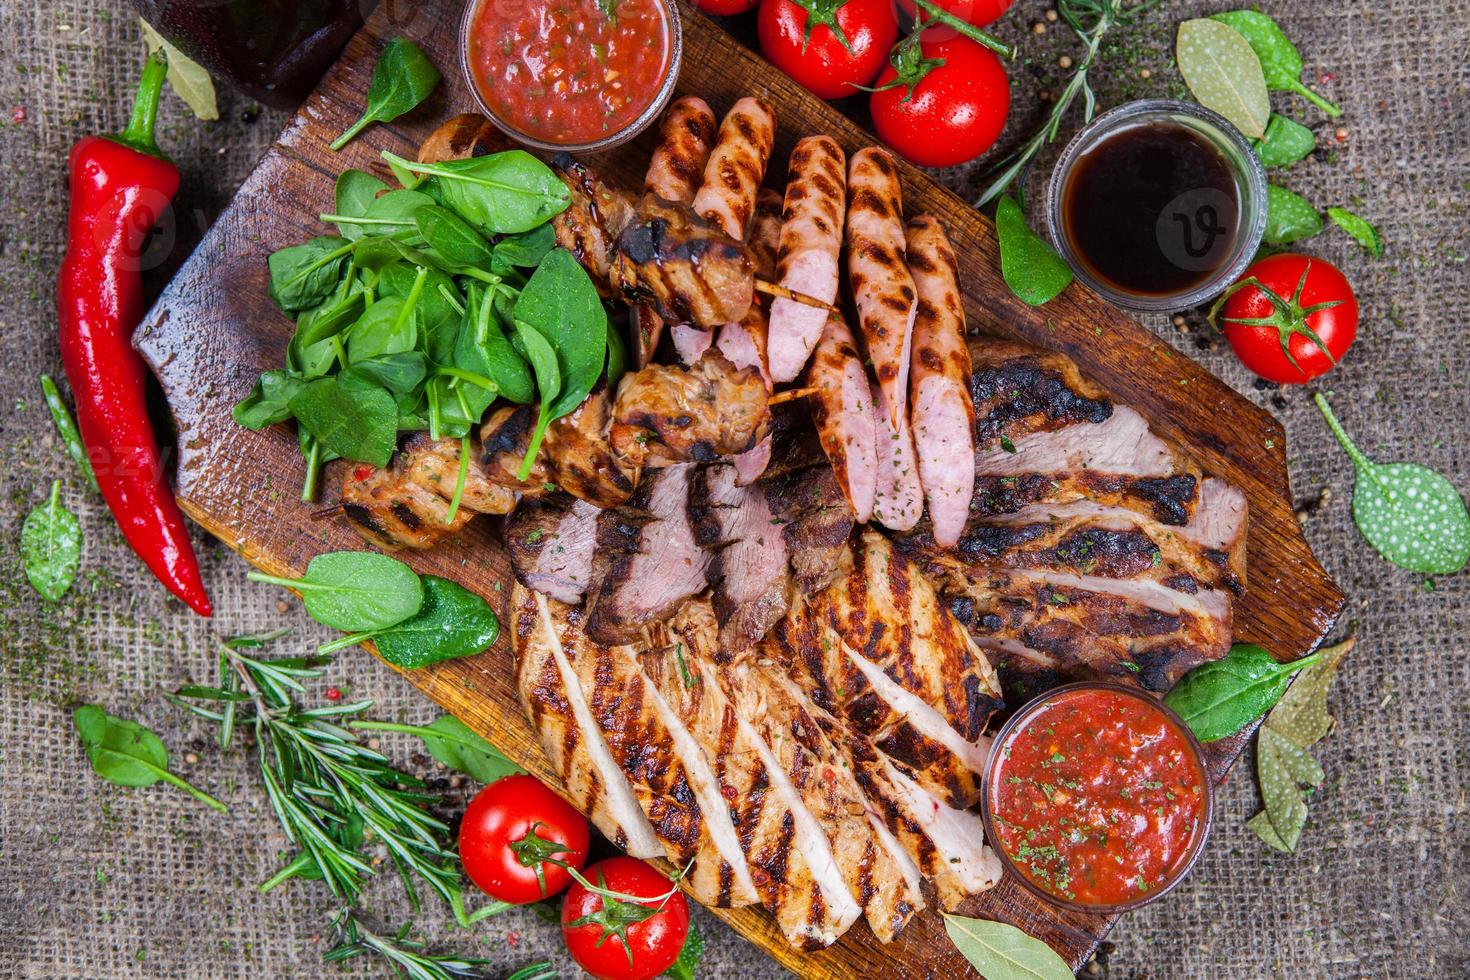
(1031, 267)
(51, 547)
(355, 591)
(1224, 74)
(403, 77)
(1219, 698)
(1360, 229)
(1286, 141)
(1281, 63)
(127, 754)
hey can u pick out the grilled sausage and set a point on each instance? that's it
(843, 412)
(940, 408)
(898, 501)
(807, 257)
(879, 275)
(736, 167)
(744, 342)
(674, 172)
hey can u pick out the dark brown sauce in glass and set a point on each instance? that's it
(1153, 209)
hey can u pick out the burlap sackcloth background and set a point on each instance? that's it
(103, 882)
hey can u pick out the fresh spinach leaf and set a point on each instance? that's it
(1224, 74)
(1286, 141)
(51, 547)
(1412, 515)
(617, 355)
(402, 78)
(386, 327)
(305, 276)
(356, 191)
(452, 238)
(1281, 63)
(499, 194)
(999, 951)
(1360, 229)
(525, 250)
(269, 401)
(1289, 217)
(1220, 698)
(353, 421)
(391, 214)
(127, 754)
(487, 345)
(400, 373)
(1031, 268)
(355, 591)
(561, 303)
(453, 743)
(548, 382)
(454, 622)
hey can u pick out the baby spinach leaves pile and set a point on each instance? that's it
(413, 621)
(1283, 763)
(1232, 61)
(435, 299)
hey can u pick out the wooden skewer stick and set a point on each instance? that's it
(790, 395)
(327, 512)
(771, 289)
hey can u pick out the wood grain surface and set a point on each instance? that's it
(215, 329)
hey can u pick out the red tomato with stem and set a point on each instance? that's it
(833, 48)
(725, 8)
(1291, 318)
(976, 12)
(614, 938)
(946, 101)
(512, 832)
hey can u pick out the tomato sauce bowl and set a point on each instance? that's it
(1097, 797)
(566, 74)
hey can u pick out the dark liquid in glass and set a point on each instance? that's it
(274, 50)
(1153, 209)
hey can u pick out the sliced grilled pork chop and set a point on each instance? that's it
(551, 543)
(749, 567)
(808, 504)
(878, 650)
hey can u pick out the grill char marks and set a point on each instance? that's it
(749, 567)
(806, 502)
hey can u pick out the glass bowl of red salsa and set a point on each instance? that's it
(567, 74)
(1097, 797)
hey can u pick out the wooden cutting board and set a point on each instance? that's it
(214, 330)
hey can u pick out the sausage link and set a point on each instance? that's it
(898, 501)
(842, 409)
(736, 167)
(745, 342)
(807, 259)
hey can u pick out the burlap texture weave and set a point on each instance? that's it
(97, 881)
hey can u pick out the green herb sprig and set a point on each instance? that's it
(407, 956)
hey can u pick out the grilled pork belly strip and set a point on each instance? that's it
(557, 706)
(809, 249)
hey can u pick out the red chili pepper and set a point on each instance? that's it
(120, 185)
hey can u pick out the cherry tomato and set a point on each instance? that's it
(798, 37)
(725, 8)
(957, 109)
(1288, 299)
(600, 931)
(977, 12)
(509, 829)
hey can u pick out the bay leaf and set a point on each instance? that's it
(1260, 825)
(186, 77)
(1285, 808)
(1301, 714)
(1002, 952)
(1224, 74)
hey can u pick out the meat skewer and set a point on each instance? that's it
(940, 409)
(745, 342)
(685, 136)
(811, 242)
(878, 273)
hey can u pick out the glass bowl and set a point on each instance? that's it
(643, 120)
(1250, 181)
(997, 756)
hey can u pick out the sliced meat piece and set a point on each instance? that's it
(675, 169)
(842, 409)
(468, 134)
(749, 568)
(691, 342)
(815, 519)
(648, 562)
(810, 245)
(878, 273)
(1121, 444)
(556, 704)
(686, 269)
(595, 219)
(877, 649)
(1219, 526)
(940, 409)
(736, 167)
(575, 454)
(701, 412)
(551, 543)
(898, 499)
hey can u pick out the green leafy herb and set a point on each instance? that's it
(186, 77)
(403, 78)
(387, 214)
(1412, 515)
(687, 965)
(352, 420)
(355, 193)
(500, 194)
(1224, 74)
(270, 400)
(1283, 764)
(406, 956)
(66, 427)
(1289, 217)
(1280, 61)
(1220, 698)
(127, 754)
(999, 951)
(453, 622)
(453, 743)
(1286, 141)
(355, 591)
(452, 238)
(305, 276)
(51, 547)
(1360, 229)
(1031, 267)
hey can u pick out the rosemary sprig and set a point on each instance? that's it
(407, 955)
(1090, 20)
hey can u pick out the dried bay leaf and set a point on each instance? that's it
(1301, 714)
(186, 77)
(1002, 952)
(1285, 808)
(1224, 74)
